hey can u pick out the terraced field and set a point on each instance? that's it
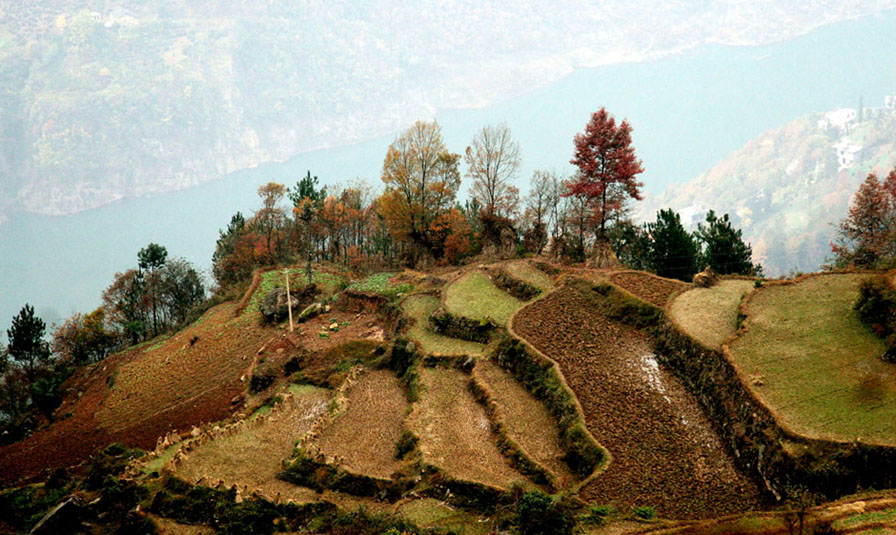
(251, 457)
(455, 433)
(365, 435)
(647, 286)
(709, 315)
(815, 363)
(526, 272)
(135, 396)
(178, 373)
(665, 453)
(528, 421)
(474, 296)
(418, 308)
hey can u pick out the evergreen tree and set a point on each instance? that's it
(724, 249)
(673, 250)
(151, 258)
(26, 341)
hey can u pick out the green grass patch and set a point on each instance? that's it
(156, 464)
(709, 315)
(885, 515)
(327, 282)
(816, 364)
(381, 284)
(432, 513)
(156, 342)
(419, 307)
(526, 272)
(475, 296)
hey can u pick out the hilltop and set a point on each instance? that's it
(441, 396)
(790, 187)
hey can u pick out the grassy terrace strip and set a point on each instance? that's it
(582, 452)
(528, 273)
(365, 435)
(709, 315)
(815, 364)
(510, 447)
(247, 453)
(474, 296)
(381, 284)
(418, 308)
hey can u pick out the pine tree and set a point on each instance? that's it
(724, 250)
(26, 341)
(673, 250)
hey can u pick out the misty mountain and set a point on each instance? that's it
(789, 188)
(101, 100)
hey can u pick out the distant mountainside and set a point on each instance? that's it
(789, 188)
(101, 100)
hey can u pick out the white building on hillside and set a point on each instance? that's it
(841, 119)
(890, 103)
(846, 153)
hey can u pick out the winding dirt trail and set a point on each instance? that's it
(665, 453)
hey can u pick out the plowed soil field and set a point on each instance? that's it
(665, 453)
(455, 433)
(136, 396)
(365, 435)
(648, 287)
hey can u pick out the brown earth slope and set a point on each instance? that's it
(665, 453)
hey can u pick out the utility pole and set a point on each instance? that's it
(288, 298)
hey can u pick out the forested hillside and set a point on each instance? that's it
(101, 100)
(789, 188)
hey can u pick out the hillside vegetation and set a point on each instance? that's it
(786, 188)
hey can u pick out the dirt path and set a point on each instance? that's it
(665, 453)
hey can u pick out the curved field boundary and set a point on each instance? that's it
(578, 421)
(744, 310)
(665, 291)
(762, 444)
(511, 449)
(244, 302)
(455, 433)
(694, 330)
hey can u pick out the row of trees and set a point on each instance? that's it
(667, 248)
(152, 298)
(417, 218)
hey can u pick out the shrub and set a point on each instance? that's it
(515, 287)
(260, 382)
(406, 444)
(538, 514)
(597, 515)
(644, 512)
(876, 307)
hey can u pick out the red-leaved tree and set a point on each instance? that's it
(867, 236)
(607, 168)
